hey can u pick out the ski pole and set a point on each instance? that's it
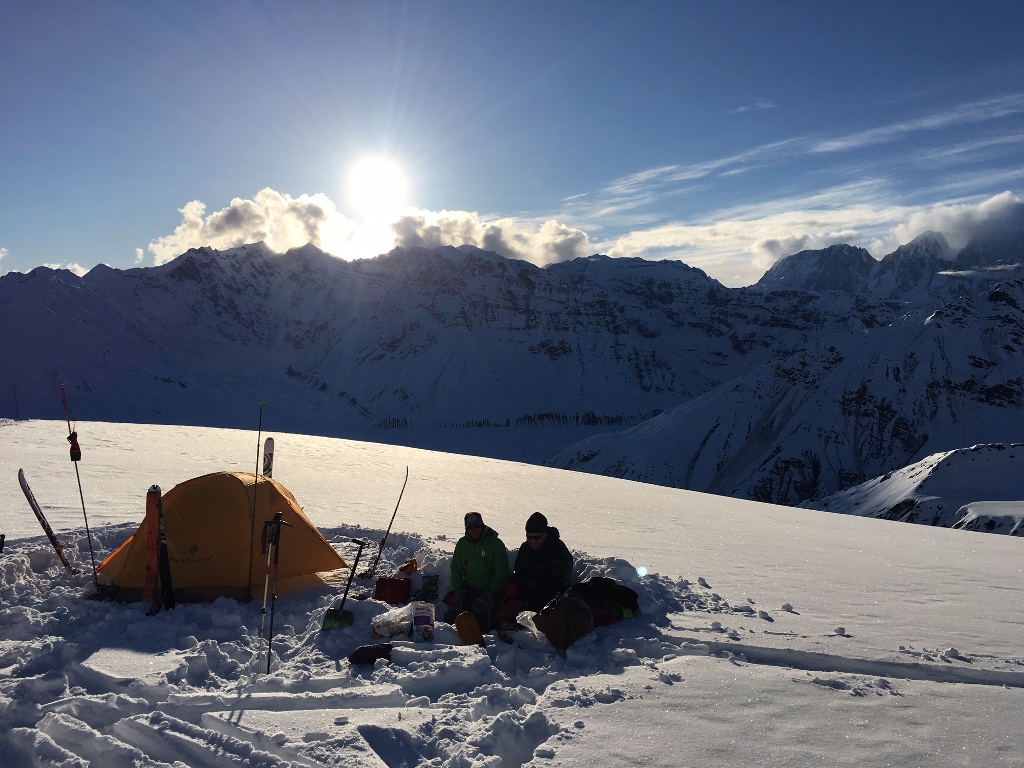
(352, 572)
(76, 455)
(376, 560)
(252, 527)
(272, 546)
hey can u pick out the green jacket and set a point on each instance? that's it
(481, 564)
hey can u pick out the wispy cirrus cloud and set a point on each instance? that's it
(971, 112)
(651, 186)
(967, 150)
(758, 105)
(639, 195)
(737, 245)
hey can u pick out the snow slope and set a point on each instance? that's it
(767, 635)
(976, 488)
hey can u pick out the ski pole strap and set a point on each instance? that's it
(272, 531)
(76, 451)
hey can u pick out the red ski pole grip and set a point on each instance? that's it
(76, 452)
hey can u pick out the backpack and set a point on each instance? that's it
(607, 590)
(608, 600)
(564, 620)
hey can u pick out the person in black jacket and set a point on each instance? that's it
(543, 569)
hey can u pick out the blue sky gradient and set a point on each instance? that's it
(724, 134)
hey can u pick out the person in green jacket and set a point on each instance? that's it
(479, 573)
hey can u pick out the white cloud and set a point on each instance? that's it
(737, 246)
(960, 222)
(758, 105)
(975, 112)
(515, 239)
(627, 194)
(78, 269)
(279, 220)
(284, 222)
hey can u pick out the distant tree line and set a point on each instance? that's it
(543, 419)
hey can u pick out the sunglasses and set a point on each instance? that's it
(535, 536)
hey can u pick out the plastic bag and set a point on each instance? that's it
(422, 622)
(397, 621)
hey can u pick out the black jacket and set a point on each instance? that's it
(542, 574)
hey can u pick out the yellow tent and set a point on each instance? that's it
(209, 523)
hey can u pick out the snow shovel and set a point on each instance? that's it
(337, 618)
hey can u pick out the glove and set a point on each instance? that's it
(485, 602)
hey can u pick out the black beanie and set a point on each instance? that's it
(537, 523)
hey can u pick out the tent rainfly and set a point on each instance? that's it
(211, 547)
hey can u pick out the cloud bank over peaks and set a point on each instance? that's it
(285, 222)
(279, 220)
(735, 246)
(962, 223)
(549, 243)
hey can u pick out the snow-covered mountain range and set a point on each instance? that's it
(832, 370)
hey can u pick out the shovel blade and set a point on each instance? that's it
(335, 618)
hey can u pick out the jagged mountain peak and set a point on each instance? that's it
(912, 267)
(928, 244)
(840, 267)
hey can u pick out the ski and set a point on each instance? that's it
(255, 488)
(268, 457)
(42, 521)
(150, 593)
(158, 589)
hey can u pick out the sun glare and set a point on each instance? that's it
(377, 188)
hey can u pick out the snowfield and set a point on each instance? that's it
(766, 635)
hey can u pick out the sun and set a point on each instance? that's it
(377, 187)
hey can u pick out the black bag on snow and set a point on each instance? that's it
(564, 620)
(604, 590)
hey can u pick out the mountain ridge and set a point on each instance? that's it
(828, 372)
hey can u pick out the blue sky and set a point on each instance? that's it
(725, 134)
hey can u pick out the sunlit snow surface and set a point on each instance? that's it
(766, 636)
